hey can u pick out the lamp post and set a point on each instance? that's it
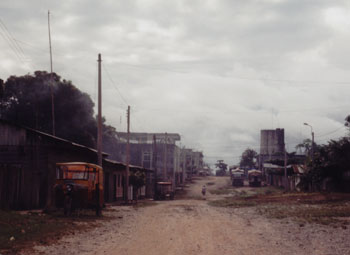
(312, 145)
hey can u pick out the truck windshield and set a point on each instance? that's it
(62, 172)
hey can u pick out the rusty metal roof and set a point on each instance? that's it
(52, 136)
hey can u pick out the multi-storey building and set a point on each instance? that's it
(191, 162)
(156, 151)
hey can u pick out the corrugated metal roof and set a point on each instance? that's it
(52, 136)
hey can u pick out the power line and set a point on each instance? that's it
(237, 77)
(32, 46)
(13, 48)
(113, 83)
(120, 94)
(152, 68)
(16, 48)
(267, 111)
(332, 132)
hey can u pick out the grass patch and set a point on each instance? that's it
(246, 192)
(233, 203)
(327, 209)
(225, 190)
(221, 191)
(195, 197)
(268, 191)
(144, 203)
(19, 230)
(327, 214)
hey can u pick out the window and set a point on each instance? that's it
(146, 159)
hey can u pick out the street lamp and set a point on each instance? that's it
(312, 145)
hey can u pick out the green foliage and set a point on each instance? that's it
(137, 179)
(330, 162)
(292, 159)
(110, 141)
(222, 168)
(306, 147)
(248, 158)
(26, 100)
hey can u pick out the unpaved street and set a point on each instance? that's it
(191, 226)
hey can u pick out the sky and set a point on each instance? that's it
(215, 71)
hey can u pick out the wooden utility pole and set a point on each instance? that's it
(312, 145)
(154, 154)
(99, 117)
(51, 79)
(165, 169)
(127, 157)
(286, 184)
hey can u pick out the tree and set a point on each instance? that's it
(347, 123)
(305, 146)
(330, 162)
(222, 167)
(248, 158)
(26, 100)
(110, 140)
(137, 180)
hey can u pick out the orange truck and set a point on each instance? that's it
(79, 185)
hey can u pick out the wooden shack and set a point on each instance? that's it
(28, 160)
(27, 165)
(114, 179)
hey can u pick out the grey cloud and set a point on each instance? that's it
(204, 69)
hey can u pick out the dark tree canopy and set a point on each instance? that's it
(26, 100)
(222, 167)
(331, 162)
(110, 140)
(248, 158)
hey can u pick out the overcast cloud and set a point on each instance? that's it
(217, 72)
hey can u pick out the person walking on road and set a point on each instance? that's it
(204, 189)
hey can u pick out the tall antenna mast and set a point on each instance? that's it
(51, 78)
(99, 118)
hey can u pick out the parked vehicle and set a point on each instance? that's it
(79, 185)
(164, 191)
(254, 177)
(237, 177)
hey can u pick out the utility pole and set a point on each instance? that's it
(127, 156)
(184, 165)
(312, 146)
(286, 184)
(165, 158)
(155, 165)
(99, 116)
(313, 141)
(51, 79)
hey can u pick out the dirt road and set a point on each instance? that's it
(191, 226)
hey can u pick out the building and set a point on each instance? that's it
(28, 160)
(271, 145)
(27, 165)
(191, 163)
(275, 175)
(156, 151)
(197, 158)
